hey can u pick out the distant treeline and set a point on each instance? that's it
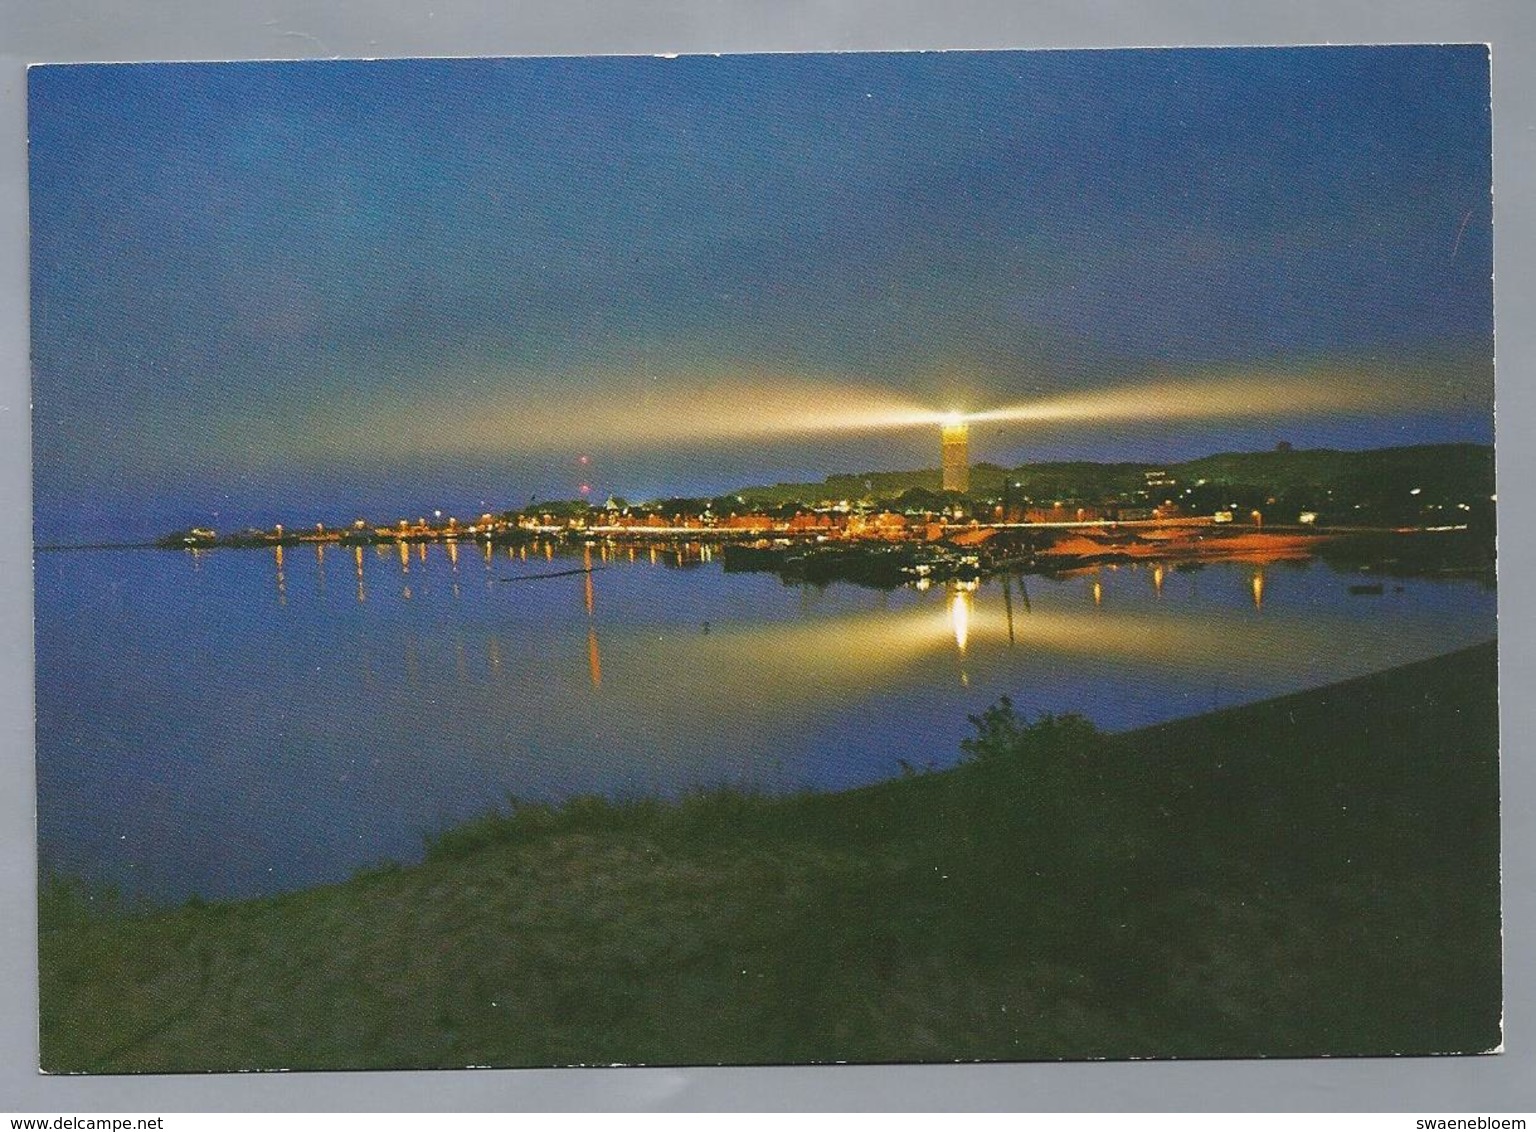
(1441, 466)
(1381, 482)
(1317, 479)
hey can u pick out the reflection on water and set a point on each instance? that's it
(594, 660)
(960, 615)
(270, 745)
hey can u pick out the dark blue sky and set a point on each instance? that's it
(303, 290)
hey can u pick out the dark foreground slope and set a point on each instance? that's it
(1315, 874)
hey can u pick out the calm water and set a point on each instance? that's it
(238, 722)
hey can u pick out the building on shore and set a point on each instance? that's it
(956, 455)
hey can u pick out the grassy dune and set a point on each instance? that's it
(1314, 874)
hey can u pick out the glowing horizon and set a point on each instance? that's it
(700, 412)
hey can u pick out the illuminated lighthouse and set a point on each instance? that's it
(956, 453)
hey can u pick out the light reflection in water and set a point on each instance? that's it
(820, 658)
(960, 616)
(452, 547)
(807, 657)
(1157, 579)
(831, 681)
(819, 661)
(594, 661)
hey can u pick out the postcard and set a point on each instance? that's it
(765, 559)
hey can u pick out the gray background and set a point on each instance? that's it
(64, 30)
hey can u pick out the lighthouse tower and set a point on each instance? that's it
(956, 453)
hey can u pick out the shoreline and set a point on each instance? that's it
(974, 552)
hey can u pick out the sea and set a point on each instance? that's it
(233, 723)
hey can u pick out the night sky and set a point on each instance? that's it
(300, 291)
